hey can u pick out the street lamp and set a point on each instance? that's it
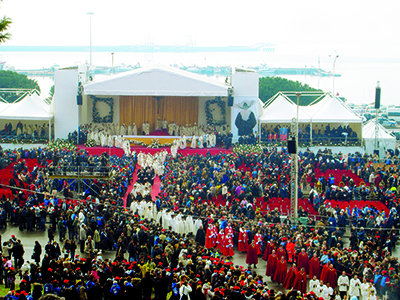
(334, 64)
(112, 62)
(90, 33)
(296, 180)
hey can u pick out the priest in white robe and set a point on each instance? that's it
(193, 144)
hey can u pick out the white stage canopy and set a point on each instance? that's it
(31, 107)
(385, 139)
(157, 81)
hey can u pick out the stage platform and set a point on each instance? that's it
(119, 152)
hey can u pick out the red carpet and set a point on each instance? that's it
(130, 187)
(283, 205)
(338, 174)
(7, 173)
(155, 189)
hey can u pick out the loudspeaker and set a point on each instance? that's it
(230, 101)
(79, 99)
(378, 97)
(291, 146)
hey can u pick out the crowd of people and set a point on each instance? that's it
(23, 131)
(181, 243)
(322, 133)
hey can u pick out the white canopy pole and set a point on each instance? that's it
(49, 130)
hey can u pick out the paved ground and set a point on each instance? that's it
(28, 239)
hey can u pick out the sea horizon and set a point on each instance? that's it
(359, 75)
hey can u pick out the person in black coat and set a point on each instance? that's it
(37, 251)
(18, 253)
(50, 233)
(146, 285)
(200, 236)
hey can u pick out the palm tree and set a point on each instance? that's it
(4, 25)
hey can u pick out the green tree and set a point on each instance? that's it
(4, 26)
(51, 94)
(270, 86)
(11, 79)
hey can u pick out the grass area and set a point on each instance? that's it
(4, 291)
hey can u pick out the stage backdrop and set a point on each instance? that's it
(138, 109)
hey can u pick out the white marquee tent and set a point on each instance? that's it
(384, 138)
(283, 110)
(332, 109)
(31, 107)
(280, 109)
(157, 81)
(3, 106)
(327, 110)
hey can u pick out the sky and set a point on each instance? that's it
(351, 27)
(364, 33)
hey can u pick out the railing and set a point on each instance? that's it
(321, 141)
(80, 171)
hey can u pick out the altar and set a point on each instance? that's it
(148, 139)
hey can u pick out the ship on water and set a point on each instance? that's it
(210, 70)
(263, 70)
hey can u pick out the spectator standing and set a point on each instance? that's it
(18, 253)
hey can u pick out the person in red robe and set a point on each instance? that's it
(271, 264)
(315, 268)
(290, 251)
(281, 270)
(221, 241)
(209, 236)
(288, 283)
(252, 257)
(331, 276)
(281, 252)
(259, 242)
(228, 246)
(268, 250)
(215, 235)
(300, 281)
(270, 137)
(324, 273)
(243, 241)
(303, 260)
(229, 230)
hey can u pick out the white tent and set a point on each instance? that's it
(31, 107)
(3, 106)
(333, 110)
(329, 110)
(283, 110)
(385, 140)
(157, 81)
